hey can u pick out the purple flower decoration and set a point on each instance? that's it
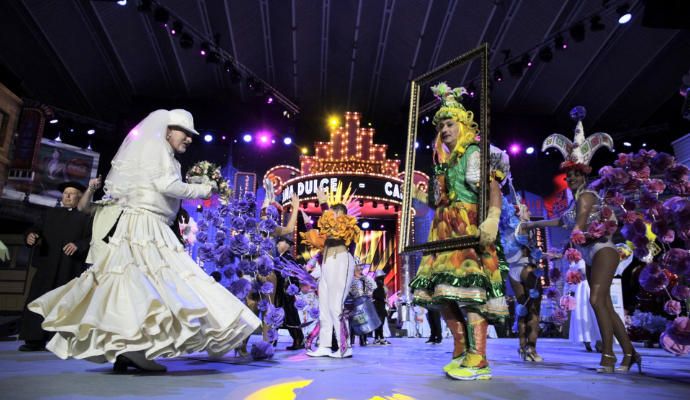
(237, 223)
(648, 199)
(663, 231)
(292, 290)
(262, 351)
(240, 288)
(274, 316)
(661, 162)
(230, 271)
(267, 225)
(267, 245)
(239, 244)
(672, 307)
(300, 304)
(249, 197)
(272, 213)
(681, 292)
(250, 223)
(623, 160)
(266, 288)
(554, 274)
(271, 335)
(201, 236)
(677, 173)
(596, 229)
(265, 265)
(314, 312)
(614, 199)
(653, 279)
(552, 293)
(262, 305)
(655, 186)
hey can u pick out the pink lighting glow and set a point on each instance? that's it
(515, 148)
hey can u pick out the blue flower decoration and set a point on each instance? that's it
(292, 290)
(274, 316)
(266, 288)
(314, 312)
(239, 245)
(262, 305)
(265, 265)
(262, 350)
(300, 304)
(250, 223)
(240, 288)
(237, 223)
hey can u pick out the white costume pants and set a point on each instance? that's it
(337, 272)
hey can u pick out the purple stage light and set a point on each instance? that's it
(269, 100)
(514, 148)
(202, 52)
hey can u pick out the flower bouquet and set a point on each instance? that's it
(205, 172)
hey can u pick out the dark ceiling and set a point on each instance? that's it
(103, 60)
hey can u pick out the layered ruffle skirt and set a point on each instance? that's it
(472, 277)
(143, 293)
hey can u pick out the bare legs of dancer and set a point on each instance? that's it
(528, 326)
(599, 276)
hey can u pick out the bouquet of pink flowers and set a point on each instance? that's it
(209, 173)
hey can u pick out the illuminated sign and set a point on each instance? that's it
(365, 186)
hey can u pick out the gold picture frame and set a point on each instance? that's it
(406, 240)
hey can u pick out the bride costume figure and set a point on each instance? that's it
(144, 297)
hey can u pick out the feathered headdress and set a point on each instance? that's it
(578, 153)
(347, 198)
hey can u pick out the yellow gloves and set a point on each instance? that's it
(489, 228)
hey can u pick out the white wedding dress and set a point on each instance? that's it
(143, 291)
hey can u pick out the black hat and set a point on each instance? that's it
(285, 239)
(72, 184)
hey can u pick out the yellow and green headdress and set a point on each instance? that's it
(451, 106)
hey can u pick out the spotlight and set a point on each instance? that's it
(161, 15)
(269, 100)
(186, 41)
(122, 2)
(559, 42)
(365, 225)
(223, 137)
(529, 150)
(428, 147)
(89, 147)
(333, 122)
(515, 148)
(595, 24)
(624, 15)
(71, 130)
(91, 131)
(287, 141)
(53, 121)
(416, 145)
(526, 61)
(627, 144)
(273, 141)
(208, 138)
(498, 75)
(547, 153)
(471, 89)
(545, 54)
(204, 48)
(644, 144)
(304, 150)
(176, 29)
(247, 138)
(58, 139)
(577, 32)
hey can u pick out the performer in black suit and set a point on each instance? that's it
(282, 299)
(60, 244)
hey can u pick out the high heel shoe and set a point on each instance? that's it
(121, 364)
(532, 355)
(634, 358)
(604, 367)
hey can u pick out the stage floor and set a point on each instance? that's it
(408, 369)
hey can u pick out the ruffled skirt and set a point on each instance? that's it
(143, 293)
(472, 277)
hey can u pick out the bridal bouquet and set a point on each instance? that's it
(209, 173)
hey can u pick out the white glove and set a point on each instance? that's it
(488, 230)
